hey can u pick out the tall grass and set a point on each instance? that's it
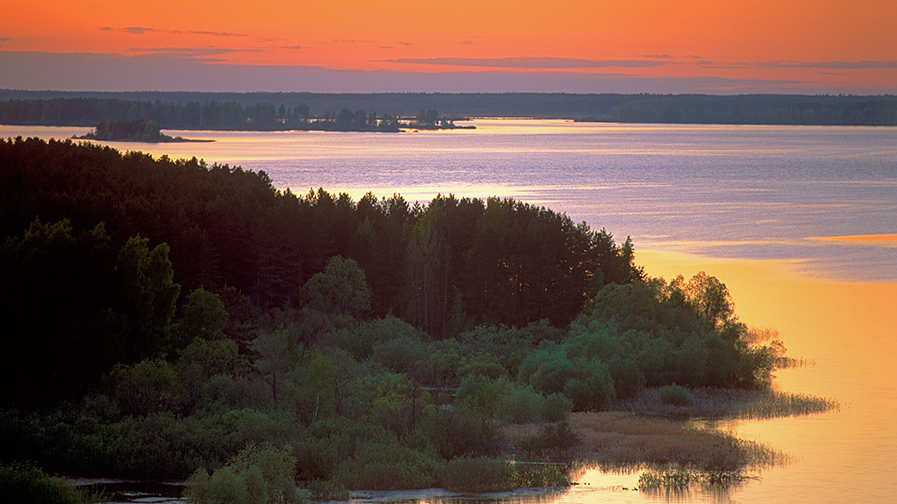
(710, 402)
(620, 439)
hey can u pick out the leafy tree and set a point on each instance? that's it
(340, 289)
(279, 352)
(204, 316)
(707, 297)
(148, 387)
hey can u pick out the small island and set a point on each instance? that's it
(132, 130)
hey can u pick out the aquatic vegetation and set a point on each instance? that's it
(478, 474)
(620, 439)
(679, 480)
(713, 402)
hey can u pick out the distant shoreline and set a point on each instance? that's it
(297, 111)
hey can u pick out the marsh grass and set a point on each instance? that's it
(729, 403)
(621, 439)
(681, 480)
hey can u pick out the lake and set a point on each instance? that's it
(799, 222)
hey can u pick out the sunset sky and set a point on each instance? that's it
(819, 46)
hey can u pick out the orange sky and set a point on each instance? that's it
(822, 44)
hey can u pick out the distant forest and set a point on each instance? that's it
(284, 111)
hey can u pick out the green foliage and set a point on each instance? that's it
(24, 483)
(386, 466)
(400, 355)
(482, 395)
(555, 440)
(203, 316)
(148, 387)
(361, 338)
(541, 475)
(557, 408)
(340, 289)
(592, 389)
(479, 474)
(675, 395)
(256, 475)
(522, 405)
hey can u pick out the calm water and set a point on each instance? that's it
(799, 222)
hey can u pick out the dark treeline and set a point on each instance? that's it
(168, 318)
(443, 267)
(46, 107)
(209, 114)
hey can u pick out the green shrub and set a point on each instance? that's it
(24, 483)
(557, 407)
(675, 395)
(388, 466)
(257, 475)
(593, 388)
(538, 474)
(482, 474)
(522, 405)
(555, 440)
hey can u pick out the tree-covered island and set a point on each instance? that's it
(132, 130)
(175, 320)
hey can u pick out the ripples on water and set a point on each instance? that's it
(760, 192)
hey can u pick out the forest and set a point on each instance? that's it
(174, 319)
(207, 115)
(283, 111)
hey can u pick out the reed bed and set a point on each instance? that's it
(729, 403)
(622, 439)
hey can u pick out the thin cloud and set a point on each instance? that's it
(835, 65)
(188, 52)
(218, 34)
(105, 28)
(530, 63)
(137, 30)
(175, 72)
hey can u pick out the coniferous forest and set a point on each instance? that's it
(342, 112)
(169, 315)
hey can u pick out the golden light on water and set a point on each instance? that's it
(814, 317)
(847, 332)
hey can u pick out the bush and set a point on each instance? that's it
(529, 474)
(557, 408)
(482, 474)
(675, 395)
(554, 440)
(257, 475)
(522, 405)
(25, 484)
(388, 466)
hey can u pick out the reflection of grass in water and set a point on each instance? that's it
(681, 480)
(678, 453)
